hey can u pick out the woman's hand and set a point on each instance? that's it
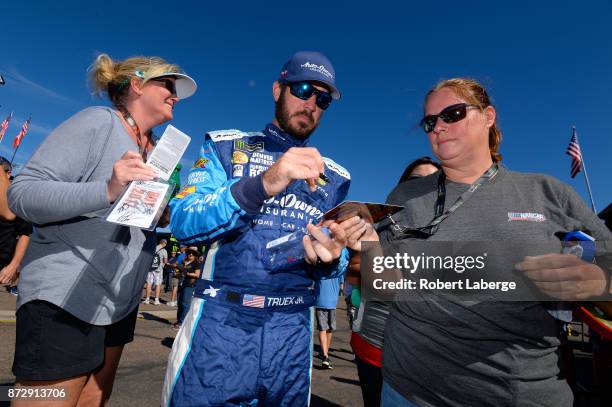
(358, 230)
(564, 276)
(128, 168)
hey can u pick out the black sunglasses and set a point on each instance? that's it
(168, 84)
(305, 90)
(450, 114)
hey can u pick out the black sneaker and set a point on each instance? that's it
(326, 364)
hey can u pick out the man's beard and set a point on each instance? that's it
(299, 130)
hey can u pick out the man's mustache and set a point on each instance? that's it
(303, 113)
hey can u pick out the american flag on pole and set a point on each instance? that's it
(4, 125)
(22, 133)
(256, 301)
(573, 150)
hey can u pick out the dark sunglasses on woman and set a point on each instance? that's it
(450, 114)
(168, 84)
(305, 90)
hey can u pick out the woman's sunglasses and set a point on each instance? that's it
(450, 114)
(168, 84)
(305, 90)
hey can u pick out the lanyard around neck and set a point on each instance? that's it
(440, 215)
(142, 150)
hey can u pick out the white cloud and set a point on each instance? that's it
(11, 74)
(17, 122)
(40, 129)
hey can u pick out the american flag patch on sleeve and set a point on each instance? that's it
(256, 301)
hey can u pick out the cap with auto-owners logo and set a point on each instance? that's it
(310, 66)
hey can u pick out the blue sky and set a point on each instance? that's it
(547, 65)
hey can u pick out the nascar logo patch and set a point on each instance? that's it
(526, 216)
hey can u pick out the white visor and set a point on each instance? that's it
(185, 85)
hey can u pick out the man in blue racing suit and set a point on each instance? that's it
(248, 336)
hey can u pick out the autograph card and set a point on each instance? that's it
(141, 205)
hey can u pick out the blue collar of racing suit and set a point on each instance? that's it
(282, 137)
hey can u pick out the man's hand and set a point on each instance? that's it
(296, 163)
(320, 248)
(564, 276)
(8, 274)
(128, 168)
(358, 230)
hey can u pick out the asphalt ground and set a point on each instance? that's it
(143, 364)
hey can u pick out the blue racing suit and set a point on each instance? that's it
(248, 336)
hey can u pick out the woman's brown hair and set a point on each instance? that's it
(474, 93)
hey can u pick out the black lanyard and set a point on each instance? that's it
(440, 215)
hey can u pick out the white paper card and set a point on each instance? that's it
(168, 151)
(140, 204)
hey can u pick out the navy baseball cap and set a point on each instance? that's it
(310, 66)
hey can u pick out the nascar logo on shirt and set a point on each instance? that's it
(526, 216)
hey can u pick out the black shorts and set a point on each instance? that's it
(52, 344)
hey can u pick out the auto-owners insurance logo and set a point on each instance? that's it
(526, 216)
(318, 68)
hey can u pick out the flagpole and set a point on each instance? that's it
(14, 152)
(584, 170)
(24, 130)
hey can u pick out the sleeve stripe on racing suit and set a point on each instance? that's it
(208, 270)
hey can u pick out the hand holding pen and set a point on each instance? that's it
(297, 163)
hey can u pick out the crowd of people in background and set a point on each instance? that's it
(177, 275)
